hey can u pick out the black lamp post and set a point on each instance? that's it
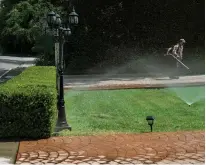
(150, 120)
(61, 33)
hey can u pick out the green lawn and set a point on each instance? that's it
(108, 111)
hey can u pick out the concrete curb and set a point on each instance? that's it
(134, 86)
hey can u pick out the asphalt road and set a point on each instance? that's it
(8, 62)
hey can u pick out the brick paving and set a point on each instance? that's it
(146, 148)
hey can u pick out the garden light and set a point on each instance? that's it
(150, 120)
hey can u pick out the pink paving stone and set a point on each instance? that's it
(129, 148)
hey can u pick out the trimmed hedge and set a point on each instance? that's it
(28, 104)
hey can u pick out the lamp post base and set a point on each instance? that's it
(60, 126)
(62, 121)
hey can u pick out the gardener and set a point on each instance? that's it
(177, 51)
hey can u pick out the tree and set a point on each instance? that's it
(23, 24)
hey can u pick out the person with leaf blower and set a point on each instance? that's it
(177, 52)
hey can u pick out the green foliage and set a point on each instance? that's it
(44, 47)
(23, 23)
(45, 60)
(28, 104)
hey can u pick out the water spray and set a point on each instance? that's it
(190, 104)
(189, 95)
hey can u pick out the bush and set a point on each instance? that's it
(45, 60)
(28, 104)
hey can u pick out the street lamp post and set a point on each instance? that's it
(61, 34)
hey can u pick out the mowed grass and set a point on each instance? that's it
(117, 111)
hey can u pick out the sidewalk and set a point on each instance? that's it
(8, 151)
(146, 148)
(130, 81)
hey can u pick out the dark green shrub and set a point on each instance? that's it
(28, 104)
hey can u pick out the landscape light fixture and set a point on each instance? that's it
(62, 32)
(150, 120)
